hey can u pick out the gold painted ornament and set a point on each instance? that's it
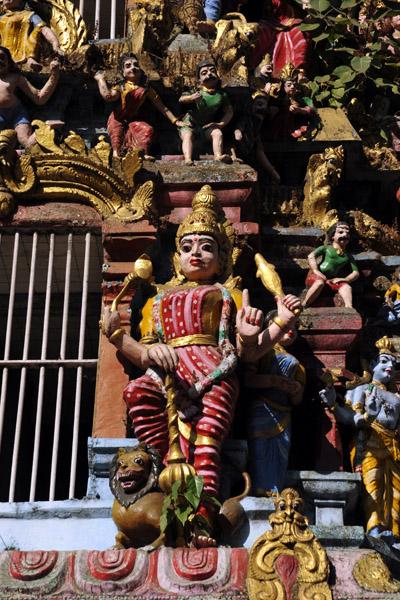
(289, 560)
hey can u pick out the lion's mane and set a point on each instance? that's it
(152, 483)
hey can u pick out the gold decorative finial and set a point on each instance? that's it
(266, 60)
(385, 346)
(289, 70)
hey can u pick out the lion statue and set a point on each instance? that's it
(323, 174)
(138, 500)
(234, 44)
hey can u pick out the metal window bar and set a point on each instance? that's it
(103, 17)
(32, 365)
(57, 420)
(21, 395)
(11, 299)
(43, 353)
(78, 393)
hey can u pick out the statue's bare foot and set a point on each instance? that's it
(189, 162)
(225, 158)
(202, 541)
(238, 160)
(148, 157)
(205, 27)
(34, 65)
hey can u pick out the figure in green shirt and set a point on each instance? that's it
(329, 270)
(211, 110)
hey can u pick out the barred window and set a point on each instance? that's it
(50, 296)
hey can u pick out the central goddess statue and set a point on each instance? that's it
(188, 329)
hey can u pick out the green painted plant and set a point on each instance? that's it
(180, 509)
(351, 54)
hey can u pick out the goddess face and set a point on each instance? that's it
(199, 257)
(131, 70)
(384, 368)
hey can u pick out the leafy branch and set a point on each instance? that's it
(180, 508)
(350, 52)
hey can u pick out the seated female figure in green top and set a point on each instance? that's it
(328, 272)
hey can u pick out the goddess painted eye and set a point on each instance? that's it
(207, 248)
(186, 248)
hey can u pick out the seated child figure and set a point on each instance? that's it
(247, 135)
(294, 115)
(20, 32)
(211, 111)
(389, 313)
(126, 125)
(279, 379)
(13, 114)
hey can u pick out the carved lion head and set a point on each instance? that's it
(134, 472)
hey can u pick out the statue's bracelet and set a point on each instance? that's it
(116, 335)
(282, 325)
(367, 418)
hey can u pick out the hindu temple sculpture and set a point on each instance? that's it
(187, 331)
(373, 407)
(13, 114)
(330, 270)
(277, 381)
(210, 111)
(295, 116)
(389, 313)
(21, 30)
(247, 139)
(126, 127)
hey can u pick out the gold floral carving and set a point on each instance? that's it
(323, 174)
(371, 573)
(69, 171)
(290, 537)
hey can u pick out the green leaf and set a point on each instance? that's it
(194, 500)
(345, 49)
(348, 4)
(321, 37)
(309, 26)
(166, 518)
(361, 63)
(322, 95)
(334, 103)
(384, 134)
(322, 78)
(320, 5)
(183, 512)
(344, 73)
(381, 82)
(205, 496)
(175, 489)
(338, 93)
(196, 485)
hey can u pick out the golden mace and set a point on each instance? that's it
(270, 278)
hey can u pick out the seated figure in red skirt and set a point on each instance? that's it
(329, 271)
(126, 127)
(188, 330)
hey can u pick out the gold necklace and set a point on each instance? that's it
(379, 384)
